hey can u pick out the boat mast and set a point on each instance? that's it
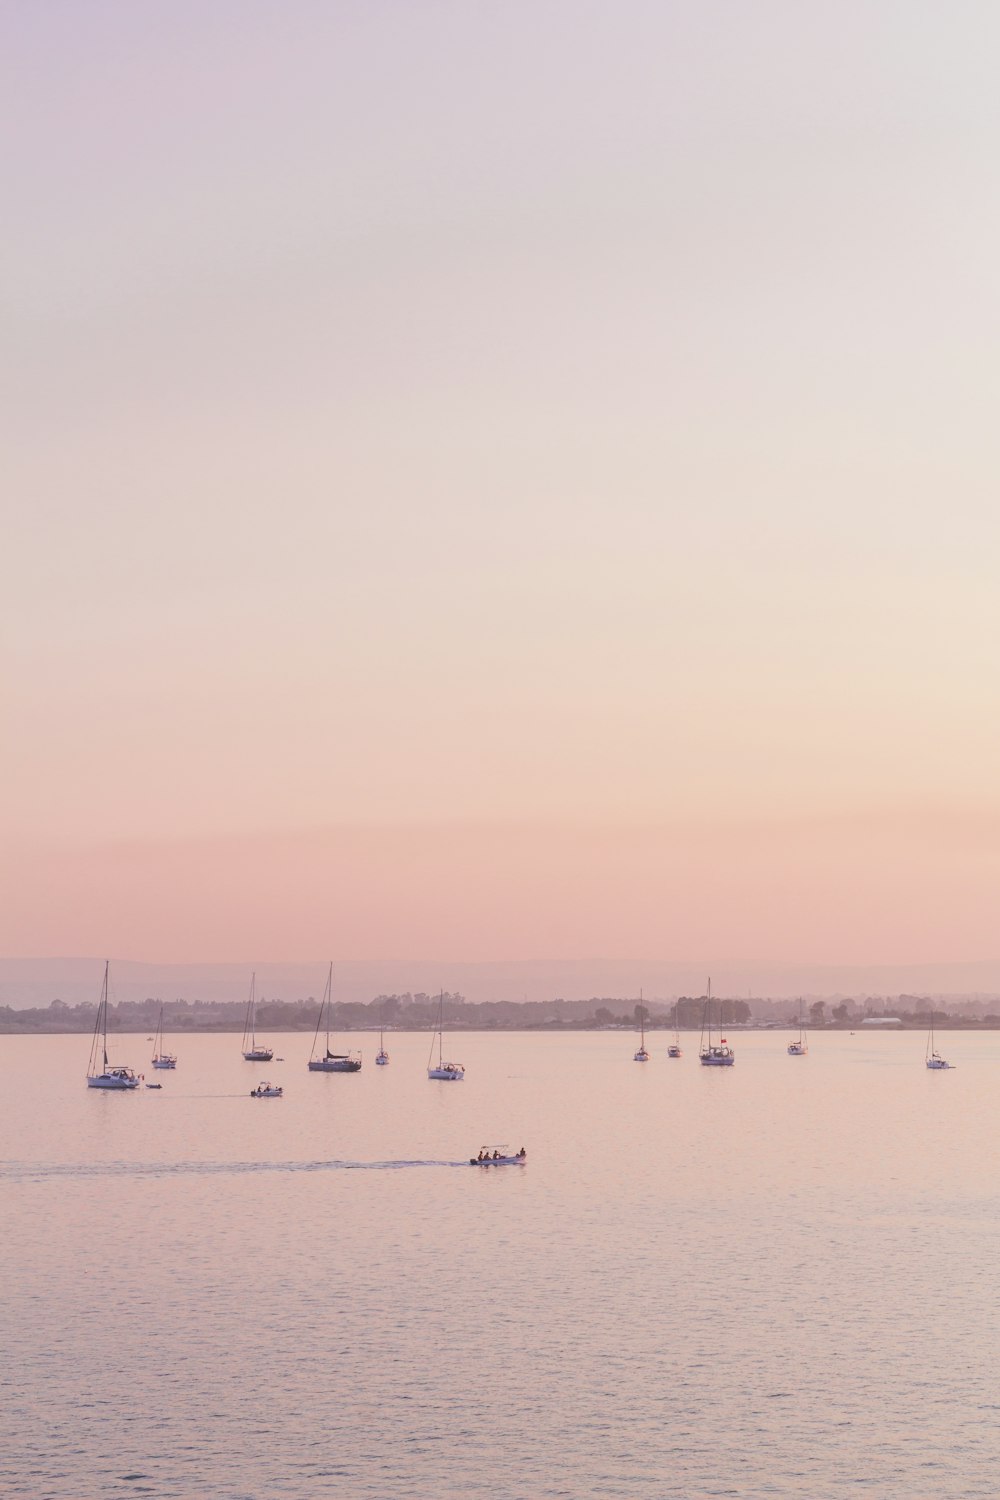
(104, 1005)
(248, 1025)
(440, 1028)
(328, 998)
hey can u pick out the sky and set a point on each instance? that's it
(499, 481)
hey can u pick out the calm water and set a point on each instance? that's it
(775, 1280)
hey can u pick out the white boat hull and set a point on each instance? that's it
(797, 1049)
(382, 1060)
(266, 1093)
(717, 1059)
(937, 1063)
(447, 1075)
(641, 1056)
(673, 1052)
(113, 1081)
(498, 1161)
(164, 1062)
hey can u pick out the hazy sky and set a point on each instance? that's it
(500, 480)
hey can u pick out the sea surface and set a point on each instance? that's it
(774, 1280)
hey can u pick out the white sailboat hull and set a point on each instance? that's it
(448, 1075)
(113, 1081)
(642, 1055)
(797, 1049)
(164, 1062)
(382, 1060)
(716, 1059)
(673, 1051)
(937, 1062)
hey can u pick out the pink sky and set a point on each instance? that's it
(500, 483)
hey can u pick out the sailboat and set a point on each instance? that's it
(161, 1059)
(801, 1047)
(932, 1058)
(642, 1055)
(331, 1062)
(107, 1077)
(713, 1056)
(382, 1056)
(251, 1051)
(674, 1050)
(449, 1071)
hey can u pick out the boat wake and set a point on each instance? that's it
(18, 1171)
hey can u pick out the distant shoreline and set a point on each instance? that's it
(741, 1029)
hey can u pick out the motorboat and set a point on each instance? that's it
(448, 1072)
(100, 1074)
(254, 1051)
(162, 1058)
(327, 1061)
(498, 1158)
(713, 1054)
(267, 1091)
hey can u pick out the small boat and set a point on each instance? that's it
(932, 1058)
(252, 1050)
(499, 1157)
(331, 1062)
(108, 1077)
(449, 1072)
(161, 1058)
(801, 1047)
(674, 1050)
(267, 1091)
(642, 1055)
(154, 1085)
(711, 1055)
(381, 1056)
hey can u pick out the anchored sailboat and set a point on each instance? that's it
(252, 1050)
(674, 1050)
(642, 1055)
(382, 1056)
(331, 1062)
(801, 1047)
(449, 1071)
(100, 1075)
(932, 1058)
(718, 1055)
(162, 1058)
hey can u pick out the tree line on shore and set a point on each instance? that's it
(419, 1012)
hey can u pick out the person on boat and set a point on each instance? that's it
(496, 1155)
(522, 1152)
